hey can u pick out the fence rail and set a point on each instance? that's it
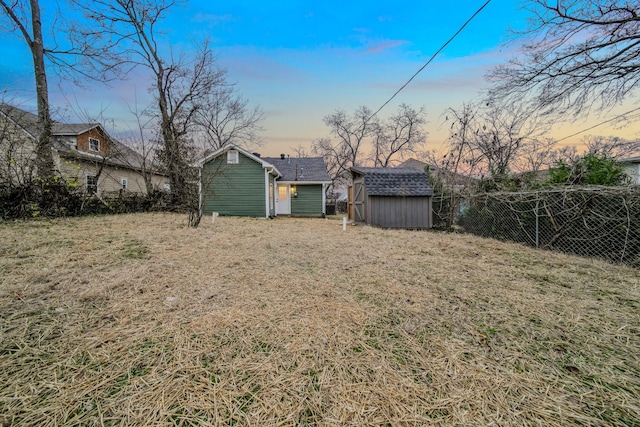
(594, 222)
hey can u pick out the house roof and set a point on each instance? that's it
(120, 154)
(300, 169)
(73, 128)
(252, 156)
(630, 160)
(395, 181)
(415, 164)
(24, 119)
(452, 178)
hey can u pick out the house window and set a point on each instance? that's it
(283, 192)
(94, 144)
(124, 182)
(92, 184)
(232, 157)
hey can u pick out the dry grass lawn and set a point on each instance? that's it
(139, 320)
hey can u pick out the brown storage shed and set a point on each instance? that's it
(391, 197)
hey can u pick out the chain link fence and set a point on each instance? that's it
(593, 222)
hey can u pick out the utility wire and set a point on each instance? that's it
(599, 124)
(431, 59)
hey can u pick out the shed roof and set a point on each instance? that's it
(395, 181)
(300, 169)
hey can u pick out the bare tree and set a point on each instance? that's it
(125, 32)
(538, 155)
(491, 139)
(350, 133)
(461, 157)
(226, 118)
(300, 151)
(400, 135)
(579, 54)
(612, 146)
(503, 134)
(23, 16)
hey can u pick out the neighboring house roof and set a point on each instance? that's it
(457, 178)
(119, 155)
(302, 169)
(73, 128)
(415, 164)
(630, 160)
(27, 121)
(395, 181)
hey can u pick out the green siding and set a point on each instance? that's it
(309, 200)
(234, 189)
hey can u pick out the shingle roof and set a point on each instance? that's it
(395, 181)
(72, 128)
(24, 119)
(416, 164)
(309, 169)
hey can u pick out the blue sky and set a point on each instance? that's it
(299, 61)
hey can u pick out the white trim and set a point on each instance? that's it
(324, 199)
(124, 183)
(266, 189)
(200, 206)
(305, 182)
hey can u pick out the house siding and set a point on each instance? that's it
(234, 189)
(110, 180)
(17, 154)
(399, 212)
(633, 171)
(309, 200)
(83, 142)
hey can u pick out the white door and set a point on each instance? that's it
(283, 202)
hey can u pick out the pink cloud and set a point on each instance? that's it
(387, 44)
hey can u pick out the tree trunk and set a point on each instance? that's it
(44, 156)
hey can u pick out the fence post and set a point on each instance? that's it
(537, 224)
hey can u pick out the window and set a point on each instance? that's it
(94, 144)
(283, 192)
(124, 182)
(232, 157)
(92, 184)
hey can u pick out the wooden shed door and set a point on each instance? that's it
(358, 201)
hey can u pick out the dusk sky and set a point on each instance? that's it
(300, 61)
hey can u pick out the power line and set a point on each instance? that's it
(431, 59)
(599, 124)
